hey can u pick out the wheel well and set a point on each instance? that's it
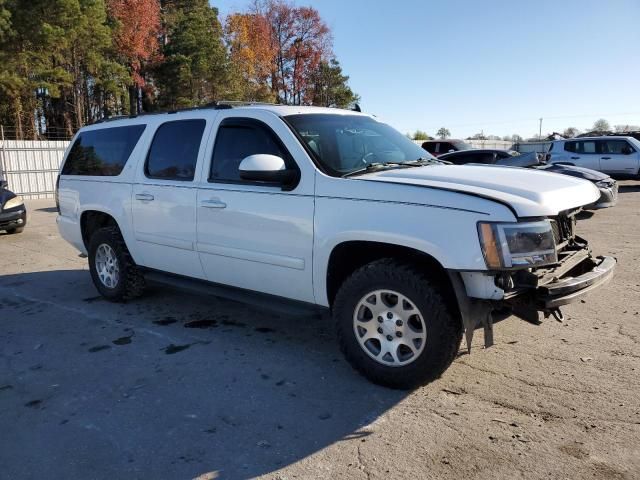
(92, 220)
(347, 257)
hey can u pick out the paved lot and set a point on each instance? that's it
(177, 386)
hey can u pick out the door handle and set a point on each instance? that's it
(605, 158)
(575, 158)
(213, 203)
(145, 197)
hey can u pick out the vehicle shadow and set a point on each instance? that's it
(167, 386)
(47, 209)
(628, 188)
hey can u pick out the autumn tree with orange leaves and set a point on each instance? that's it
(68, 63)
(252, 55)
(135, 35)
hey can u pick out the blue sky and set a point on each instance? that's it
(493, 65)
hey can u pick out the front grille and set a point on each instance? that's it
(563, 227)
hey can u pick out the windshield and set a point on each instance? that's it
(346, 143)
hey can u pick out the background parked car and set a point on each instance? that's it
(608, 186)
(618, 156)
(440, 147)
(13, 213)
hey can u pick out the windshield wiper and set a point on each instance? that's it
(372, 167)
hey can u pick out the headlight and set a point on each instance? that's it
(13, 203)
(517, 245)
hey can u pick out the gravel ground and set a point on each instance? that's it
(177, 386)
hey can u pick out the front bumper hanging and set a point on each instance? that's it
(570, 289)
(533, 293)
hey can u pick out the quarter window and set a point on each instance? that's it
(237, 140)
(174, 152)
(102, 152)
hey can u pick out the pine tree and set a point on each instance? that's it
(195, 68)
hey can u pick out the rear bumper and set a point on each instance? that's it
(15, 218)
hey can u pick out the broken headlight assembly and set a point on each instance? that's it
(510, 246)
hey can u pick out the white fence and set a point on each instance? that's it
(30, 167)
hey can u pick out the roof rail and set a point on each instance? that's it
(217, 105)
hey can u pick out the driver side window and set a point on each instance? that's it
(236, 140)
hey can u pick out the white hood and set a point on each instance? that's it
(531, 193)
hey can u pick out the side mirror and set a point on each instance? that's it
(266, 168)
(627, 150)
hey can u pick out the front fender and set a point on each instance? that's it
(449, 236)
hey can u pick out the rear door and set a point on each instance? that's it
(253, 235)
(618, 156)
(164, 198)
(583, 153)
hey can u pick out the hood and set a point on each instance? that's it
(530, 193)
(579, 172)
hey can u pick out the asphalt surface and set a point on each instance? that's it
(175, 386)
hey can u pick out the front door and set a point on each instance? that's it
(618, 157)
(164, 199)
(256, 236)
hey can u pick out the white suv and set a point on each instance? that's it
(312, 208)
(619, 156)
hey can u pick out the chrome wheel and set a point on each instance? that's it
(107, 266)
(389, 328)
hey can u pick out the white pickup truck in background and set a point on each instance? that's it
(305, 207)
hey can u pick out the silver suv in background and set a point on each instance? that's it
(617, 156)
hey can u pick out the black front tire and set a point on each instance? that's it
(131, 281)
(12, 231)
(443, 327)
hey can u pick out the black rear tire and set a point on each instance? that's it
(131, 282)
(443, 327)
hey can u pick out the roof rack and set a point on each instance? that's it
(217, 105)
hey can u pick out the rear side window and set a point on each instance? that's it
(445, 147)
(237, 139)
(174, 151)
(581, 146)
(429, 147)
(102, 152)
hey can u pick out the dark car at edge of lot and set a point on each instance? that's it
(608, 186)
(13, 213)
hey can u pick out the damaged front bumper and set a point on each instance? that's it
(545, 291)
(568, 290)
(528, 294)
